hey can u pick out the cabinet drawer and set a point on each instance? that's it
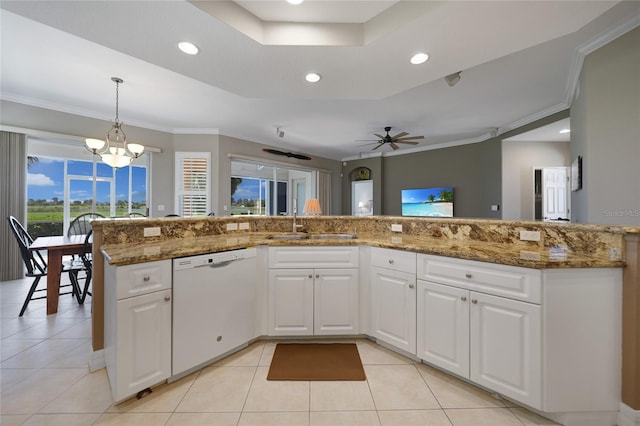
(500, 280)
(313, 257)
(395, 260)
(142, 278)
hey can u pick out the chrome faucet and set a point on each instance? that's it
(295, 215)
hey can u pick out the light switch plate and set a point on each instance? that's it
(529, 235)
(152, 232)
(243, 225)
(396, 227)
(232, 226)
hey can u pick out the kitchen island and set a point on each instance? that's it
(577, 254)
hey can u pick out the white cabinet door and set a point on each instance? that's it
(506, 347)
(143, 343)
(443, 326)
(290, 302)
(336, 301)
(393, 308)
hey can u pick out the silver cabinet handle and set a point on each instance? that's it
(468, 275)
(146, 278)
(310, 276)
(463, 298)
(317, 275)
(411, 285)
(390, 261)
(474, 301)
(166, 299)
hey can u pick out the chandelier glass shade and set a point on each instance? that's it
(114, 149)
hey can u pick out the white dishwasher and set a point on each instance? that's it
(213, 306)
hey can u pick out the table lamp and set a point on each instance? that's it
(312, 207)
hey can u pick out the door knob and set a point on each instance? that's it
(411, 285)
(166, 299)
(463, 298)
(468, 275)
(474, 301)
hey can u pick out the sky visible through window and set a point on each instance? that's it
(45, 180)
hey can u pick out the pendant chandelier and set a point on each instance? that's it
(114, 150)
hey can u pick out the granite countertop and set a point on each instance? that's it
(493, 252)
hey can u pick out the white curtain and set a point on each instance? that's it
(324, 192)
(13, 188)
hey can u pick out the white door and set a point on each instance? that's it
(290, 302)
(506, 347)
(144, 343)
(336, 301)
(443, 327)
(393, 308)
(555, 193)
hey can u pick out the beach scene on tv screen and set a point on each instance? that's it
(434, 202)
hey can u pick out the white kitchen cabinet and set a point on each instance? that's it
(393, 298)
(505, 349)
(494, 341)
(304, 300)
(137, 326)
(336, 307)
(443, 326)
(290, 302)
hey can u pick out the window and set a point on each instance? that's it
(267, 189)
(192, 183)
(64, 181)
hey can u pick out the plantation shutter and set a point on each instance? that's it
(192, 183)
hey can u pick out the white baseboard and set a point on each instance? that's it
(627, 416)
(97, 362)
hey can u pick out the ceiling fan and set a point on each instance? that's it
(393, 140)
(287, 154)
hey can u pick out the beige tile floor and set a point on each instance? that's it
(44, 380)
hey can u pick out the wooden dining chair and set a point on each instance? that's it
(87, 263)
(81, 225)
(36, 266)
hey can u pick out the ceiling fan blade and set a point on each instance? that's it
(274, 151)
(409, 138)
(370, 143)
(407, 142)
(381, 137)
(298, 156)
(399, 135)
(379, 145)
(394, 146)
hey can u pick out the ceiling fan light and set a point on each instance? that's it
(313, 77)
(563, 131)
(419, 58)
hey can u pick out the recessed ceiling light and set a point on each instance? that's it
(188, 48)
(294, 1)
(313, 77)
(565, 131)
(419, 58)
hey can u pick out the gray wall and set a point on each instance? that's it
(474, 172)
(605, 131)
(519, 159)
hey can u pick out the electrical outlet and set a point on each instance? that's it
(529, 255)
(232, 226)
(495, 207)
(152, 232)
(396, 227)
(529, 235)
(243, 225)
(160, 207)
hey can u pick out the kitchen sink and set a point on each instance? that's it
(332, 236)
(303, 236)
(291, 236)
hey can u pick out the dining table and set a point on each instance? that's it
(56, 247)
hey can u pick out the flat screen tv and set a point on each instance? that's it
(432, 202)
